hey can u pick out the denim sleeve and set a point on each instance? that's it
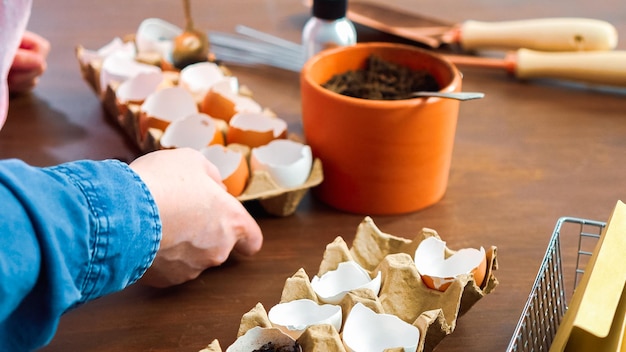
(68, 234)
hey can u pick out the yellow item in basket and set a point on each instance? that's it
(595, 319)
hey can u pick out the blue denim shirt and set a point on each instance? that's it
(68, 234)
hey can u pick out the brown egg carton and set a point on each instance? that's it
(261, 187)
(402, 293)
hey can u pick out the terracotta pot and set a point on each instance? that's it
(379, 156)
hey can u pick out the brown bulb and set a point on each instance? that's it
(191, 46)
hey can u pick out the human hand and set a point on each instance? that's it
(202, 223)
(29, 63)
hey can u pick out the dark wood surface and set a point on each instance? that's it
(527, 154)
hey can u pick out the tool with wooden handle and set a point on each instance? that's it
(598, 67)
(544, 34)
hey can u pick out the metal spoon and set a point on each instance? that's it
(450, 95)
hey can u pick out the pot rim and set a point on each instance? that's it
(454, 83)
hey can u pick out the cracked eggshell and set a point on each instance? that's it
(193, 131)
(366, 331)
(287, 162)
(255, 129)
(257, 337)
(155, 35)
(295, 316)
(136, 89)
(439, 271)
(165, 106)
(223, 100)
(115, 47)
(232, 166)
(334, 285)
(119, 68)
(198, 78)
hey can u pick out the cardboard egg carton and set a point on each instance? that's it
(403, 293)
(261, 187)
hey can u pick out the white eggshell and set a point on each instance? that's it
(287, 162)
(155, 35)
(192, 131)
(256, 337)
(138, 88)
(227, 86)
(226, 160)
(246, 104)
(229, 89)
(198, 78)
(118, 47)
(430, 260)
(114, 47)
(334, 285)
(257, 121)
(295, 316)
(119, 68)
(368, 331)
(169, 104)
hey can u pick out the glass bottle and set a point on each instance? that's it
(328, 27)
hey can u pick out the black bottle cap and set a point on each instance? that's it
(330, 9)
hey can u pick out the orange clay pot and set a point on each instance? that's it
(380, 157)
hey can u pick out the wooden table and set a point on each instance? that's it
(525, 155)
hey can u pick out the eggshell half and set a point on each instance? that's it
(334, 285)
(155, 35)
(193, 131)
(255, 129)
(198, 78)
(119, 68)
(114, 47)
(232, 166)
(165, 106)
(137, 89)
(223, 100)
(295, 316)
(438, 272)
(367, 331)
(287, 162)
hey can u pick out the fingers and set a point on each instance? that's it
(28, 64)
(26, 60)
(251, 243)
(247, 235)
(36, 43)
(251, 237)
(22, 81)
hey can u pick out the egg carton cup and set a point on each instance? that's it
(403, 293)
(274, 199)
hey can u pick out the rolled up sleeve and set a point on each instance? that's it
(68, 234)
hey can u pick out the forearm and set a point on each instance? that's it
(68, 234)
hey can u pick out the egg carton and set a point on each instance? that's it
(403, 293)
(274, 199)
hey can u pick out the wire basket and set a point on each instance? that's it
(547, 301)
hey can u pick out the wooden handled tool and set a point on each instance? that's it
(598, 67)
